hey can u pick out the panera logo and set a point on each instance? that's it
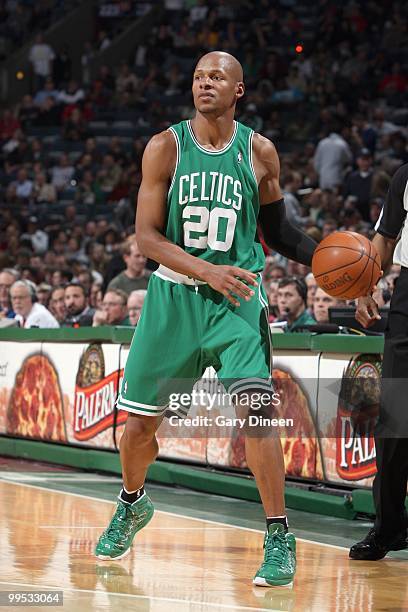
(338, 282)
(95, 395)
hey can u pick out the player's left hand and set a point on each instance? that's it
(232, 282)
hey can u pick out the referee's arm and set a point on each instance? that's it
(388, 228)
(392, 217)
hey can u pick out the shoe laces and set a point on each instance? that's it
(120, 525)
(275, 547)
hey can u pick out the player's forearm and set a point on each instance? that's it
(157, 247)
(280, 235)
(385, 247)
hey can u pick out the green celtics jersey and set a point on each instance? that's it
(213, 200)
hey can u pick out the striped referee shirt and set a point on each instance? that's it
(392, 222)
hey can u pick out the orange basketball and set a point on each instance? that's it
(346, 265)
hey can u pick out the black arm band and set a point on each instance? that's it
(280, 235)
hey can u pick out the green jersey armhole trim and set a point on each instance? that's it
(197, 144)
(250, 139)
(176, 138)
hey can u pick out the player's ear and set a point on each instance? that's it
(239, 90)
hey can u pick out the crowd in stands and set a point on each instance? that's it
(19, 19)
(325, 81)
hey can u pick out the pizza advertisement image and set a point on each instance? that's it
(348, 411)
(299, 439)
(35, 408)
(296, 388)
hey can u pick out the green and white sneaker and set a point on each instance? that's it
(116, 540)
(279, 565)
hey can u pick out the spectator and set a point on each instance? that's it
(43, 192)
(48, 91)
(75, 127)
(57, 304)
(126, 81)
(273, 271)
(43, 294)
(79, 313)
(96, 296)
(29, 313)
(359, 184)
(252, 118)
(91, 149)
(292, 182)
(103, 41)
(61, 277)
(135, 276)
(37, 238)
(28, 112)
(198, 14)
(85, 278)
(20, 154)
(62, 173)
(38, 155)
(8, 276)
(72, 94)
(329, 226)
(394, 81)
(88, 191)
(8, 125)
(62, 67)
(49, 113)
(135, 304)
(332, 157)
(41, 57)
(109, 175)
(382, 295)
(381, 125)
(292, 297)
(83, 164)
(311, 290)
(113, 310)
(399, 147)
(322, 301)
(272, 293)
(22, 187)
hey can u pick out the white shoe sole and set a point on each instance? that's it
(258, 581)
(107, 558)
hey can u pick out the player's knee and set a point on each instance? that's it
(139, 429)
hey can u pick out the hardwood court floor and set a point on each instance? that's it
(177, 563)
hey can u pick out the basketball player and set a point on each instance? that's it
(203, 183)
(390, 483)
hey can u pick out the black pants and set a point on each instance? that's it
(391, 435)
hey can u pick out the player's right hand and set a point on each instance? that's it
(232, 282)
(367, 311)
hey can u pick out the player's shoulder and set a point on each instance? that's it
(160, 154)
(264, 152)
(263, 147)
(162, 143)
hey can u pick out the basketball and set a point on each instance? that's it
(346, 265)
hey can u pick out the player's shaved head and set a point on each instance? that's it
(223, 61)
